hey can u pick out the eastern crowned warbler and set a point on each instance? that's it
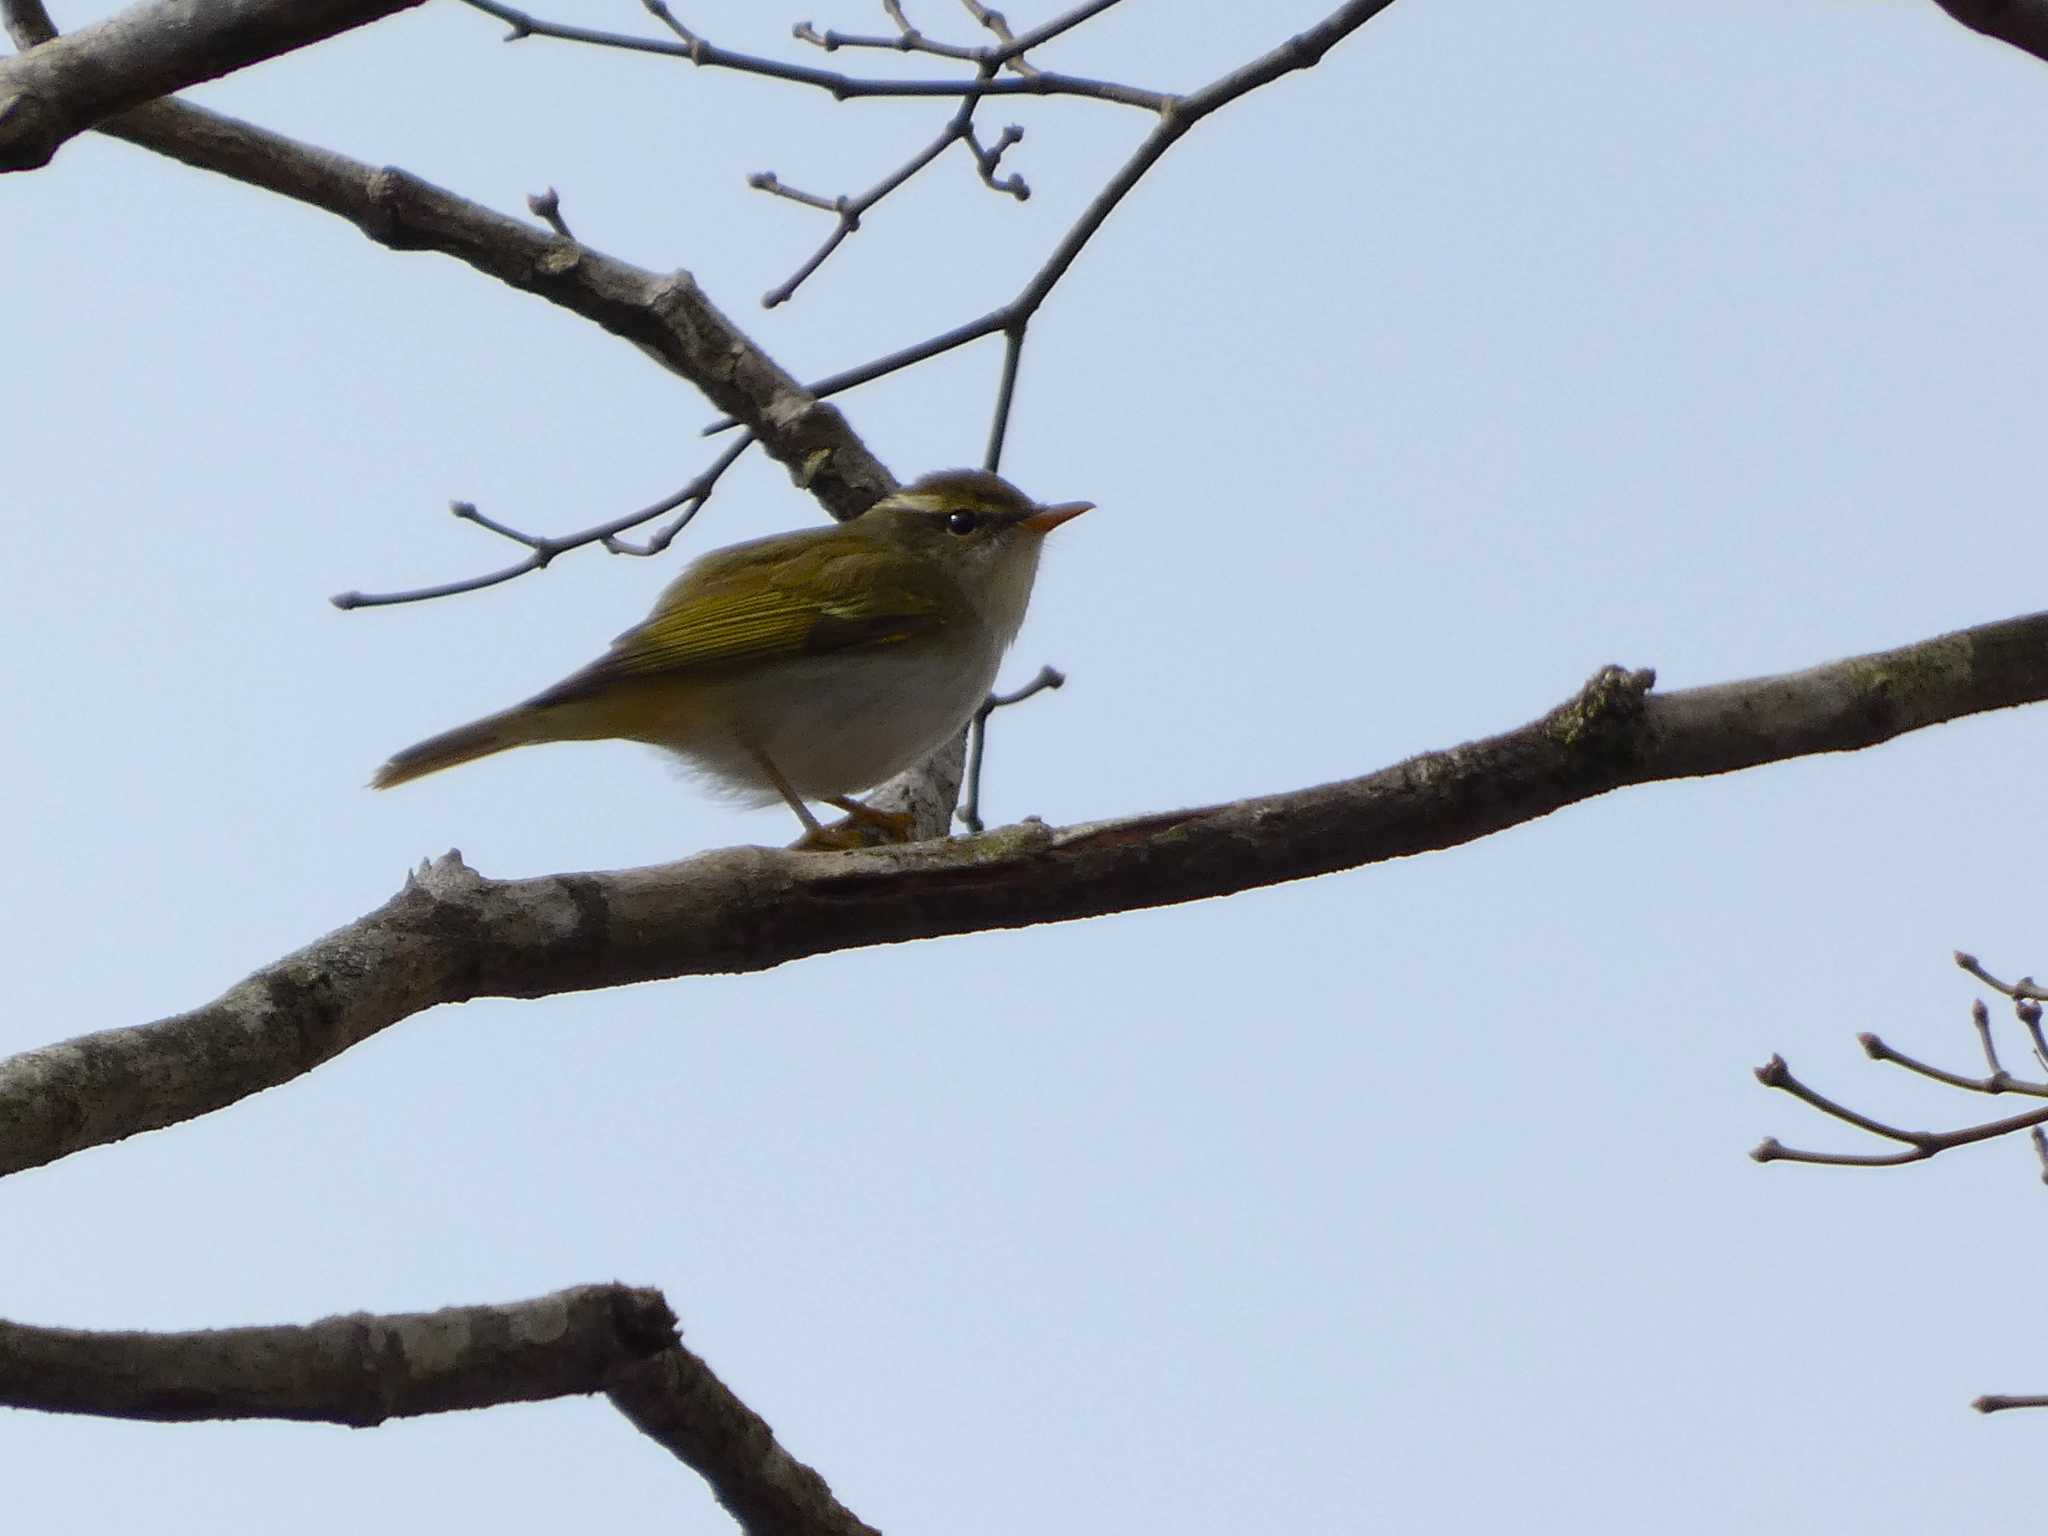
(806, 665)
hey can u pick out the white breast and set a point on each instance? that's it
(836, 725)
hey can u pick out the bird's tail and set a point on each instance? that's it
(480, 738)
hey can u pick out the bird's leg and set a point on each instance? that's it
(895, 825)
(814, 836)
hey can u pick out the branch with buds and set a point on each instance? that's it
(1918, 1146)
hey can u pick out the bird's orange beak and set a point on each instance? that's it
(1045, 519)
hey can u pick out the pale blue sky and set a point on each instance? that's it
(1512, 341)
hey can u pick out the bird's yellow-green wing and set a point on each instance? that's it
(713, 621)
(734, 629)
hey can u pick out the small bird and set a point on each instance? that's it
(807, 665)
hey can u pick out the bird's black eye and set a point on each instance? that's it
(962, 523)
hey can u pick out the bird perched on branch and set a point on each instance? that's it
(804, 666)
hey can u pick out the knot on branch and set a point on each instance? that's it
(447, 878)
(644, 1320)
(559, 260)
(1604, 714)
(393, 197)
(558, 926)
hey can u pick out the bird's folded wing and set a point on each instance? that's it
(713, 632)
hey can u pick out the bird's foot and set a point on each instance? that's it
(895, 826)
(864, 827)
(837, 838)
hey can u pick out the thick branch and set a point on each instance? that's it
(451, 934)
(2023, 23)
(363, 1369)
(55, 92)
(358, 1370)
(674, 1398)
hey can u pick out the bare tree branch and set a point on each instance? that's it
(1920, 1145)
(1996, 1082)
(547, 207)
(666, 316)
(2023, 990)
(849, 211)
(908, 39)
(359, 1370)
(2023, 23)
(451, 934)
(1302, 51)
(707, 55)
(1045, 32)
(55, 92)
(1995, 1403)
(27, 22)
(542, 548)
(674, 1398)
(977, 739)
(364, 1369)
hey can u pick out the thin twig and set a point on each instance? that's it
(894, 362)
(1919, 1145)
(989, 160)
(994, 22)
(542, 549)
(2021, 990)
(1925, 1144)
(708, 55)
(2000, 1081)
(1047, 31)
(977, 739)
(548, 206)
(1006, 391)
(1993, 1402)
(907, 39)
(2029, 1014)
(1177, 116)
(774, 186)
(661, 13)
(1980, 1017)
(1776, 1074)
(851, 210)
